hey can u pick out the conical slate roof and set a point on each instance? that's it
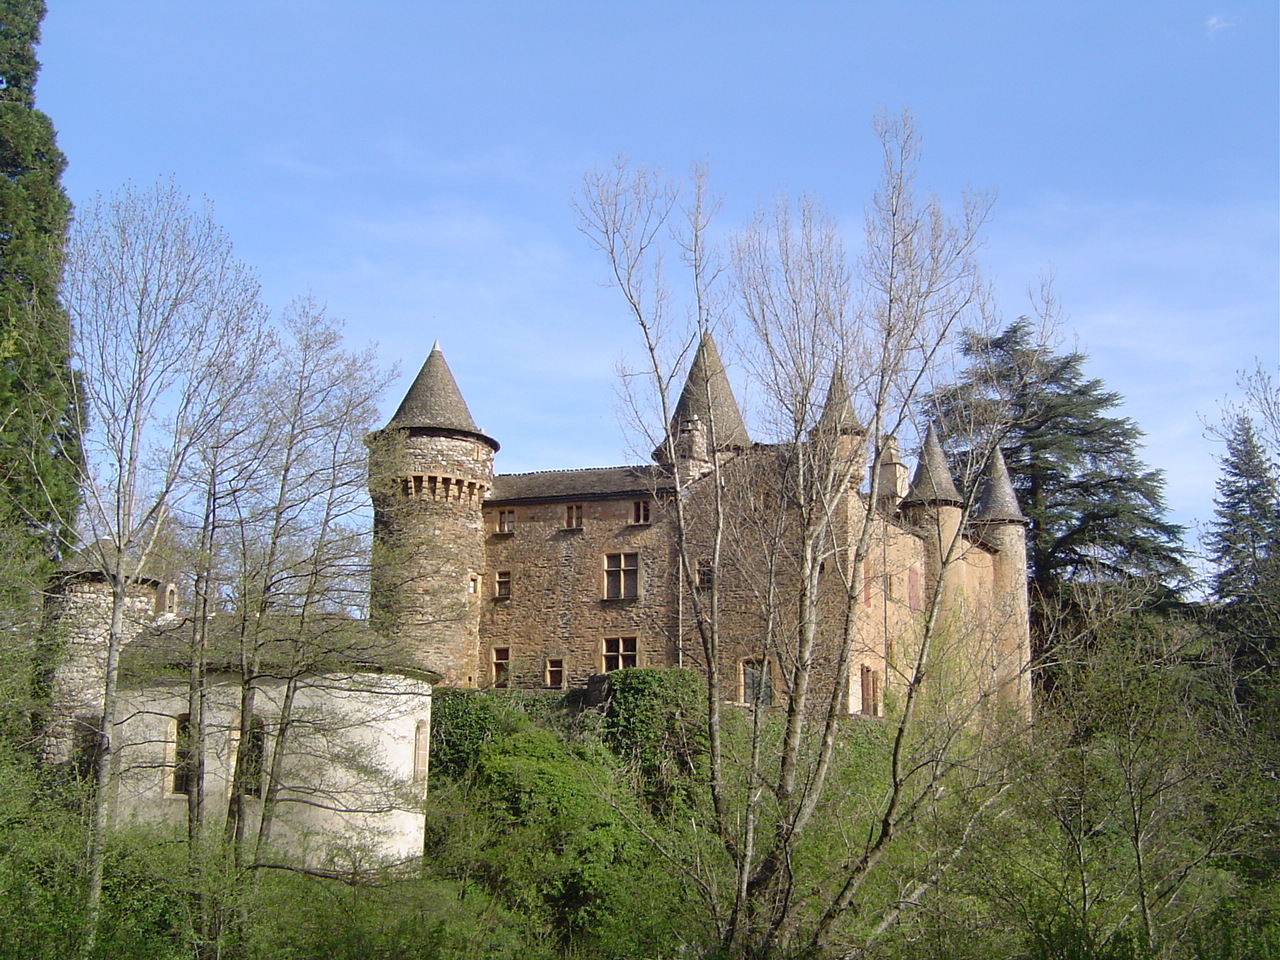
(997, 503)
(837, 413)
(932, 482)
(434, 400)
(708, 397)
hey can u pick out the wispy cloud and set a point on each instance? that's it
(1216, 24)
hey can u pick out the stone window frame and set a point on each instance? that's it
(502, 585)
(749, 669)
(573, 516)
(641, 512)
(179, 775)
(421, 750)
(554, 675)
(622, 576)
(500, 667)
(705, 573)
(619, 653)
(505, 523)
(869, 695)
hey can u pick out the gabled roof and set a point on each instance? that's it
(932, 482)
(708, 396)
(574, 484)
(433, 400)
(837, 413)
(997, 503)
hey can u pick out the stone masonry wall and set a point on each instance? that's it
(557, 609)
(430, 551)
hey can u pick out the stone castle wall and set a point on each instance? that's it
(558, 608)
(429, 549)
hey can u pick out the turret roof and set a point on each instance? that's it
(932, 482)
(997, 503)
(708, 396)
(434, 400)
(837, 413)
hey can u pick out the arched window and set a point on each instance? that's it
(253, 756)
(421, 750)
(183, 755)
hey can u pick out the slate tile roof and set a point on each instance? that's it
(573, 484)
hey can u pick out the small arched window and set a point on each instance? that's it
(421, 750)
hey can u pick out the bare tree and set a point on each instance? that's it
(167, 327)
(841, 353)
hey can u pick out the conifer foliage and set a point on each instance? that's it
(1095, 508)
(37, 439)
(1244, 543)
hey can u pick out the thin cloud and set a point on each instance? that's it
(1216, 24)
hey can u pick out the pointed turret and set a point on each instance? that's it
(708, 397)
(430, 470)
(998, 520)
(997, 503)
(932, 482)
(838, 418)
(434, 401)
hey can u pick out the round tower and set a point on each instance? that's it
(77, 625)
(934, 507)
(999, 521)
(429, 471)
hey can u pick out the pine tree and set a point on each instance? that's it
(38, 443)
(1095, 508)
(1244, 543)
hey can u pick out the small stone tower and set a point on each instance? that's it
(707, 422)
(78, 620)
(838, 432)
(429, 471)
(934, 507)
(999, 521)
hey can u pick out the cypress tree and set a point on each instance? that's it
(1095, 508)
(39, 443)
(1244, 544)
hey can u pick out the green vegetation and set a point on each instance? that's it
(1133, 825)
(1095, 507)
(38, 440)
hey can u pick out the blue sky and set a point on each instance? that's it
(411, 165)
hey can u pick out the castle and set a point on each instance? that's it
(543, 580)
(547, 581)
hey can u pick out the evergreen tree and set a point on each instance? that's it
(1244, 543)
(38, 442)
(1095, 508)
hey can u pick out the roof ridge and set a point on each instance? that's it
(534, 473)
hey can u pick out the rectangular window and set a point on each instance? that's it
(619, 653)
(573, 516)
(183, 755)
(757, 684)
(870, 692)
(555, 674)
(252, 757)
(502, 585)
(501, 667)
(621, 576)
(640, 511)
(421, 750)
(706, 572)
(915, 597)
(506, 521)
